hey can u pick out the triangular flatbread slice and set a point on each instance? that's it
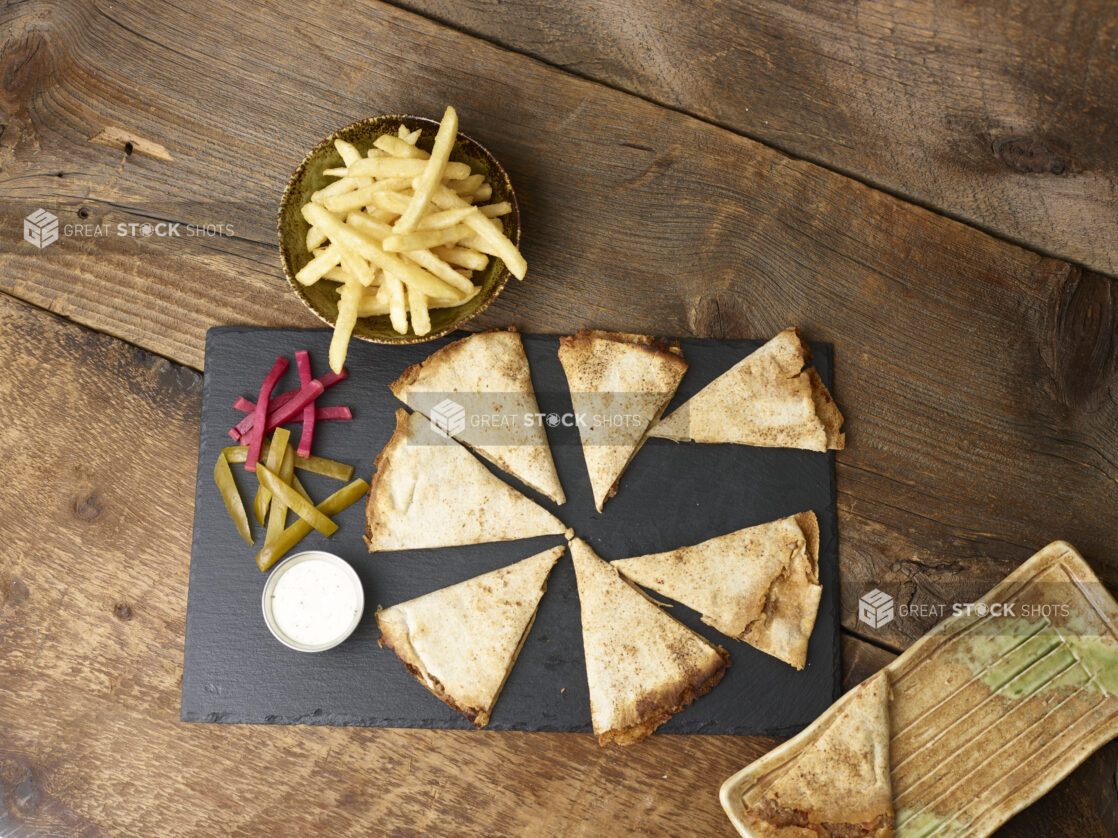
(461, 642)
(759, 584)
(620, 385)
(770, 398)
(487, 375)
(429, 491)
(642, 665)
(837, 785)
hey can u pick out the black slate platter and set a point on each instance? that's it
(671, 495)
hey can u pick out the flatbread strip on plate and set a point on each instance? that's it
(429, 491)
(620, 385)
(462, 641)
(838, 785)
(489, 371)
(770, 398)
(759, 584)
(642, 666)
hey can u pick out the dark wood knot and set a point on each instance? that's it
(1083, 339)
(720, 314)
(122, 611)
(88, 508)
(1028, 155)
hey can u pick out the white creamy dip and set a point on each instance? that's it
(315, 601)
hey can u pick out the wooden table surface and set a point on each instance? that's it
(929, 186)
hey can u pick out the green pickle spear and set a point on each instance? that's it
(278, 445)
(296, 502)
(341, 499)
(223, 477)
(277, 515)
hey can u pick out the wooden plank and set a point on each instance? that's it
(96, 528)
(977, 377)
(999, 114)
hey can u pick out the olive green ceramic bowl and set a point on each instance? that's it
(322, 297)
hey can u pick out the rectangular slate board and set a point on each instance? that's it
(671, 495)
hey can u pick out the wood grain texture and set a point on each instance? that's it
(96, 529)
(999, 113)
(979, 379)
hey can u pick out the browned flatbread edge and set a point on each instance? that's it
(663, 707)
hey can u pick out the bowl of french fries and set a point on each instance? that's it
(398, 229)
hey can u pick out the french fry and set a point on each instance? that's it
(338, 187)
(425, 239)
(396, 147)
(420, 317)
(355, 265)
(429, 261)
(495, 210)
(464, 257)
(319, 266)
(467, 186)
(343, 328)
(365, 223)
(411, 137)
(382, 215)
(315, 237)
(402, 132)
(483, 193)
(445, 198)
(338, 274)
(435, 169)
(359, 198)
(372, 307)
(442, 219)
(412, 274)
(385, 167)
(349, 153)
(337, 171)
(397, 304)
(393, 202)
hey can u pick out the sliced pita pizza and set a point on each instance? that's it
(620, 385)
(759, 584)
(771, 398)
(642, 665)
(461, 642)
(429, 491)
(838, 785)
(488, 373)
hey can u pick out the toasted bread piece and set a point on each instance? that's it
(620, 384)
(838, 786)
(642, 665)
(759, 584)
(429, 491)
(488, 372)
(461, 642)
(770, 398)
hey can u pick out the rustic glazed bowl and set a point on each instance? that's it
(322, 298)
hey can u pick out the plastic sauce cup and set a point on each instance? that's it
(313, 601)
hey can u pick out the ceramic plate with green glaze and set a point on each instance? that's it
(322, 297)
